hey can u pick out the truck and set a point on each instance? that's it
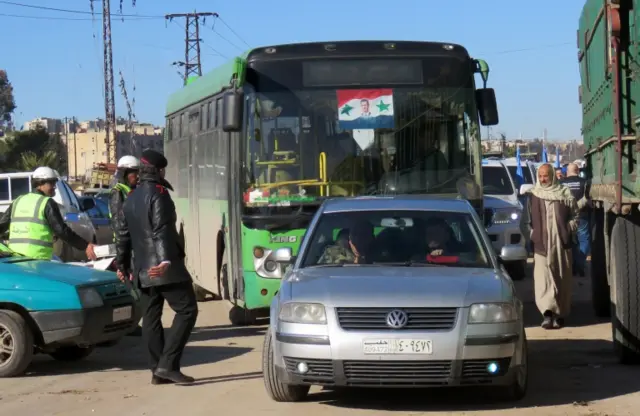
(608, 42)
(257, 144)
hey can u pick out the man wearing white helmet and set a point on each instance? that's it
(34, 219)
(127, 179)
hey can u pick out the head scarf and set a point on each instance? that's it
(555, 191)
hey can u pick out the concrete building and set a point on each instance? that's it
(87, 146)
(52, 125)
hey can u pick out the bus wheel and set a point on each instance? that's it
(625, 266)
(239, 316)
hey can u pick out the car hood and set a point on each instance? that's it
(61, 272)
(501, 201)
(392, 286)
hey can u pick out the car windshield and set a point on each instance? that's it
(402, 238)
(496, 181)
(513, 170)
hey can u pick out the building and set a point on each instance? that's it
(52, 125)
(86, 146)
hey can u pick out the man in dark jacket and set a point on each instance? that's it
(580, 189)
(148, 227)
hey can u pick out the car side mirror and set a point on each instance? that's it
(524, 188)
(232, 111)
(88, 204)
(487, 106)
(513, 253)
(283, 255)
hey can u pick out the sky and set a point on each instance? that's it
(55, 61)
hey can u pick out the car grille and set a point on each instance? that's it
(320, 371)
(397, 373)
(362, 319)
(488, 216)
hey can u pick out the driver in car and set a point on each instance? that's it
(357, 249)
(440, 240)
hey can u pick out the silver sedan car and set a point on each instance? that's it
(396, 291)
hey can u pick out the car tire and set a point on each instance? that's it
(517, 269)
(71, 353)
(518, 389)
(240, 316)
(15, 332)
(277, 390)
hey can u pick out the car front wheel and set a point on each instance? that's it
(518, 388)
(277, 390)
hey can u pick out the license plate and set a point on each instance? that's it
(121, 314)
(397, 346)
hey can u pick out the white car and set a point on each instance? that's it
(426, 304)
(503, 213)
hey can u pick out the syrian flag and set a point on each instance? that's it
(365, 109)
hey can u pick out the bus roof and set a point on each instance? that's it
(204, 86)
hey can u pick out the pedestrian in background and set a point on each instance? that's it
(126, 180)
(149, 229)
(579, 188)
(553, 222)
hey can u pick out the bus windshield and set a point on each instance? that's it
(322, 128)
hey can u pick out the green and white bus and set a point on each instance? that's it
(257, 144)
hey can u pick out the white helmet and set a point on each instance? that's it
(129, 162)
(44, 173)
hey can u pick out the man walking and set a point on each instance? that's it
(552, 220)
(148, 227)
(34, 219)
(127, 179)
(580, 190)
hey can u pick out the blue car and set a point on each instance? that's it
(58, 309)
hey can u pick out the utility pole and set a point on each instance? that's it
(191, 61)
(109, 99)
(75, 149)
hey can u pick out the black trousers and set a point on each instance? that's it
(182, 300)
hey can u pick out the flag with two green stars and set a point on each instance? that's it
(365, 109)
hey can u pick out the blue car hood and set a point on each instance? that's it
(64, 273)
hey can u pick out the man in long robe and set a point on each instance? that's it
(553, 214)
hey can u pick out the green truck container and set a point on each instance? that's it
(608, 42)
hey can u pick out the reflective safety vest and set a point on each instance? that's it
(29, 232)
(125, 190)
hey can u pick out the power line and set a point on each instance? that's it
(233, 31)
(54, 9)
(83, 19)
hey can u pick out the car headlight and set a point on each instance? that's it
(506, 216)
(303, 313)
(90, 298)
(491, 313)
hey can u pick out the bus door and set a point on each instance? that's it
(193, 195)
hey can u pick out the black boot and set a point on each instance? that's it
(173, 376)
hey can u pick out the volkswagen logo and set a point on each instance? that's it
(397, 319)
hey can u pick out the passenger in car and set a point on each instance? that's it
(358, 250)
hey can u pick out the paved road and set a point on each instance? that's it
(573, 373)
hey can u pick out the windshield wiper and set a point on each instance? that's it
(413, 264)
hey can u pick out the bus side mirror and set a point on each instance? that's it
(232, 108)
(487, 106)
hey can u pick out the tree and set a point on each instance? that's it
(35, 147)
(7, 103)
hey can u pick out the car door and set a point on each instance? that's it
(77, 220)
(100, 218)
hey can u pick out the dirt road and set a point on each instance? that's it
(573, 373)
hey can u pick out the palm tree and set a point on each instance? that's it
(30, 161)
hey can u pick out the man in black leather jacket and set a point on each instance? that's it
(148, 227)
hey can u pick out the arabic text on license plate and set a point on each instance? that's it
(121, 314)
(397, 346)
